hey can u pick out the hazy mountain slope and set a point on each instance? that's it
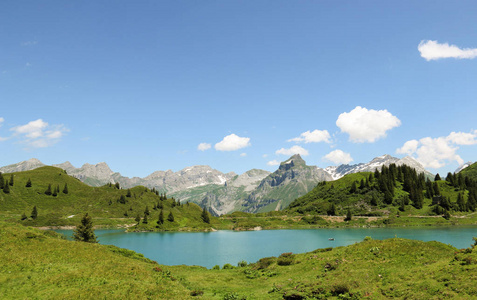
(226, 197)
(26, 165)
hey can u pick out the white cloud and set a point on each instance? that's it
(432, 50)
(204, 146)
(314, 136)
(232, 142)
(273, 163)
(436, 152)
(39, 134)
(243, 154)
(293, 150)
(365, 125)
(409, 147)
(33, 129)
(338, 157)
(463, 138)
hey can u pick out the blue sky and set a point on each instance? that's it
(156, 85)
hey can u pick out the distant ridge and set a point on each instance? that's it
(253, 191)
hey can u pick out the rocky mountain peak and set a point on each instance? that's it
(293, 161)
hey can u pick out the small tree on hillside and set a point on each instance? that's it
(28, 184)
(48, 190)
(34, 213)
(2, 181)
(438, 177)
(138, 219)
(349, 216)
(65, 189)
(84, 232)
(11, 180)
(170, 217)
(205, 216)
(160, 220)
(6, 187)
(128, 194)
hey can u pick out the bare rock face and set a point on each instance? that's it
(26, 165)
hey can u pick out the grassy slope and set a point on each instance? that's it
(470, 171)
(100, 202)
(37, 264)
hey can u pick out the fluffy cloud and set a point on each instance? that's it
(314, 136)
(293, 150)
(338, 157)
(435, 152)
(273, 163)
(365, 125)
(39, 134)
(204, 146)
(232, 142)
(432, 50)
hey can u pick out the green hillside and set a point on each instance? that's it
(108, 205)
(470, 171)
(37, 264)
(397, 189)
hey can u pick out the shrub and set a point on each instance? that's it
(242, 264)
(216, 267)
(234, 296)
(228, 266)
(265, 262)
(196, 293)
(367, 238)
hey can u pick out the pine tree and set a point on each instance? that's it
(205, 216)
(2, 181)
(138, 219)
(128, 193)
(461, 205)
(116, 185)
(122, 199)
(170, 217)
(28, 184)
(332, 210)
(144, 220)
(65, 189)
(6, 187)
(84, 232)
(48, 190)
(146, 211)
(11, 180)
(160, 220)
(24, 217)
(353, 189)
(437, 178)
(34, 213)
(349, 216)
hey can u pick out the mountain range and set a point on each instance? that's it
(253, 191)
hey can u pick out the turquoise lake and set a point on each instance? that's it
(218, 248)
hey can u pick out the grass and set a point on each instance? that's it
(37, 264)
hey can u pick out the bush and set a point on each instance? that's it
(228, 266)
(216, 267)
(234, 296)
(242, 264)
(196, 293)
(367, 238)
(265, 262)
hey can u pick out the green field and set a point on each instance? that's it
(37, 264)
